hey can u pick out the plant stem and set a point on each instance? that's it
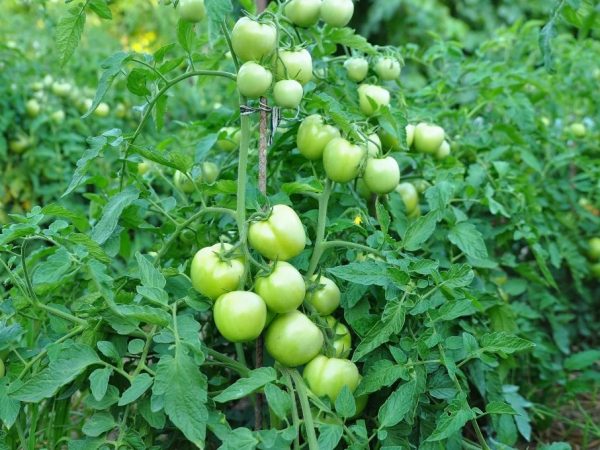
(321, 223)
(295, 418)
(229, 362)
(331, 244)
(309, 426)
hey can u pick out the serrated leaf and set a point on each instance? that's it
(99, 382)
(101, 8)
(468, 239)
(279, 401)
(419, 231)
(498, 407)
(139, 385)
(245, 386)
(112, 212)
(582, 360)
(345, 405)
(99, 423)
(365, 273)
(397, 405)
(329, 436)
(68, 34)
(504, 342)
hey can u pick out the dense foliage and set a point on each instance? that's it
(409, 231)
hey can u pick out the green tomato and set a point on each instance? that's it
(303, 13)
(389, 141)
(372, 98)
(357, 68)
(288, 94)
(210, 172)
(228, 139)
(253, 80)
(342, 341)
(313, 136)
(342, 160)
(294, 65)
(337, 13)
(410, 135)
(102, 110)
(382, 175)
(428, 138)
(280, 237)
(444, 151)
(283, 289)
(183, 183)
(373, 145)
(191, 10)
(326, 377)
(387, 68)
(144, 167)
(409, 195)
(293, 340)
(61, 89)
(240, 316)
(32, 107)
(594, 248)
(20, 144)
(2, 369)
(212, 274)
(57, 116)
(253, 41)
(595, 269)
(187, 236)
(120, 111)
(578, 129)
(325, 296)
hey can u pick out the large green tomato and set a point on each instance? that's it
(594, 245)
(428, 138)
(61, 89)
(210, 172)
(288, 93)
(444, 151)
(387, 68)
(342, 160)
(303, 13)
(357, 68)
(337, 13)
(373, 145)
(382, 175)
(294, 65)
(240, 316)
(326, 377)
(212, 274)
(283, 289)
(313, 136)
(32, 108)
(409, 195)
(253, 80)
(372, 98)
(280, 237)
(191, 10)
(342, 340)
(228, 139)
(325, 296)
(253, 41)
(410, 135)
(578, 129)
(293, 340)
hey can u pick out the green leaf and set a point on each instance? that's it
(365, 273)
(329, 436)
(459, 275)
(99, 382)
(101, 8)
(239, 439)
(582, 360)
(393, 322)
(112, 66)
(90, 245)
(419, 231)
(112, 212)
(468, 239)
(56, 210)
(9, 407)
(279, 401)
(68, 34)
(382, 373)
(345, 405)
(99, 423)
(245, 386)
(109, 350)
(504, 342)
(139, 385)
(451, 421)
(498, 407)
(397, 405)
(149, 275)
(146, 314)
(348, 38)
(53, 269)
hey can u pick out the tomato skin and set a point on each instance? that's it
(342, 342)
(410, 135)
(594, 248)
(61, 89)
(327, 376)
(231, 139)
(253, 41)
(342, 160)
(57, 116)
(373, 145)
(191, 10)
(388, 69)
(183, 183)
(303, 13)
(213, 277)
(283, 289)
(313, 136)
(326, 297)
(32, 108)
(377, 94)
(337, 13)
(578, 129)
(410, 196)
(288, 94)
(444, 151)
(210, 172)
(102, 110)
(357, 68)
(293, 340)
(428, 138)
(382, 175)
(253, 80)
(295, 65)
(144, 167)
(240, 316)
(280, 237)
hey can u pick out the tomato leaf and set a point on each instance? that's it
(244, 386)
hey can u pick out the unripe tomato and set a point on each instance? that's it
(295, 65)
(288, 94)
(144, 167)
(313, 136)
(183, 183)
(410, 135)
(372, 98)
(326, 377)
(85, 105)
(421, 185)
(121, 111)
(387, 68)
(303, 13)
(337, 13)
(240, 316)
(342, 160)
(212, 275)
(373, 145)
(357, 68)
(210, 172)
(253, 80)
(578, 129)
(61, 89)
(382, 175)
(389, 141)
(187, 236)
(32, 107)
(191, 10)
(20, 144)
(229, 139)
(253, 41)
(325, 296)
(102, 110)
(57, 116)
(595, 270)
(545, 121)
(594, 245)
(280, 237)
(292, 339)
(444, 151)
(48, 80)
(37, 86)
(2, 369)
(428, 138)
(342, 341)
(283, 289)
(409, 195)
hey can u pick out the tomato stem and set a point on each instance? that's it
(321, 223)
(311, 436)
